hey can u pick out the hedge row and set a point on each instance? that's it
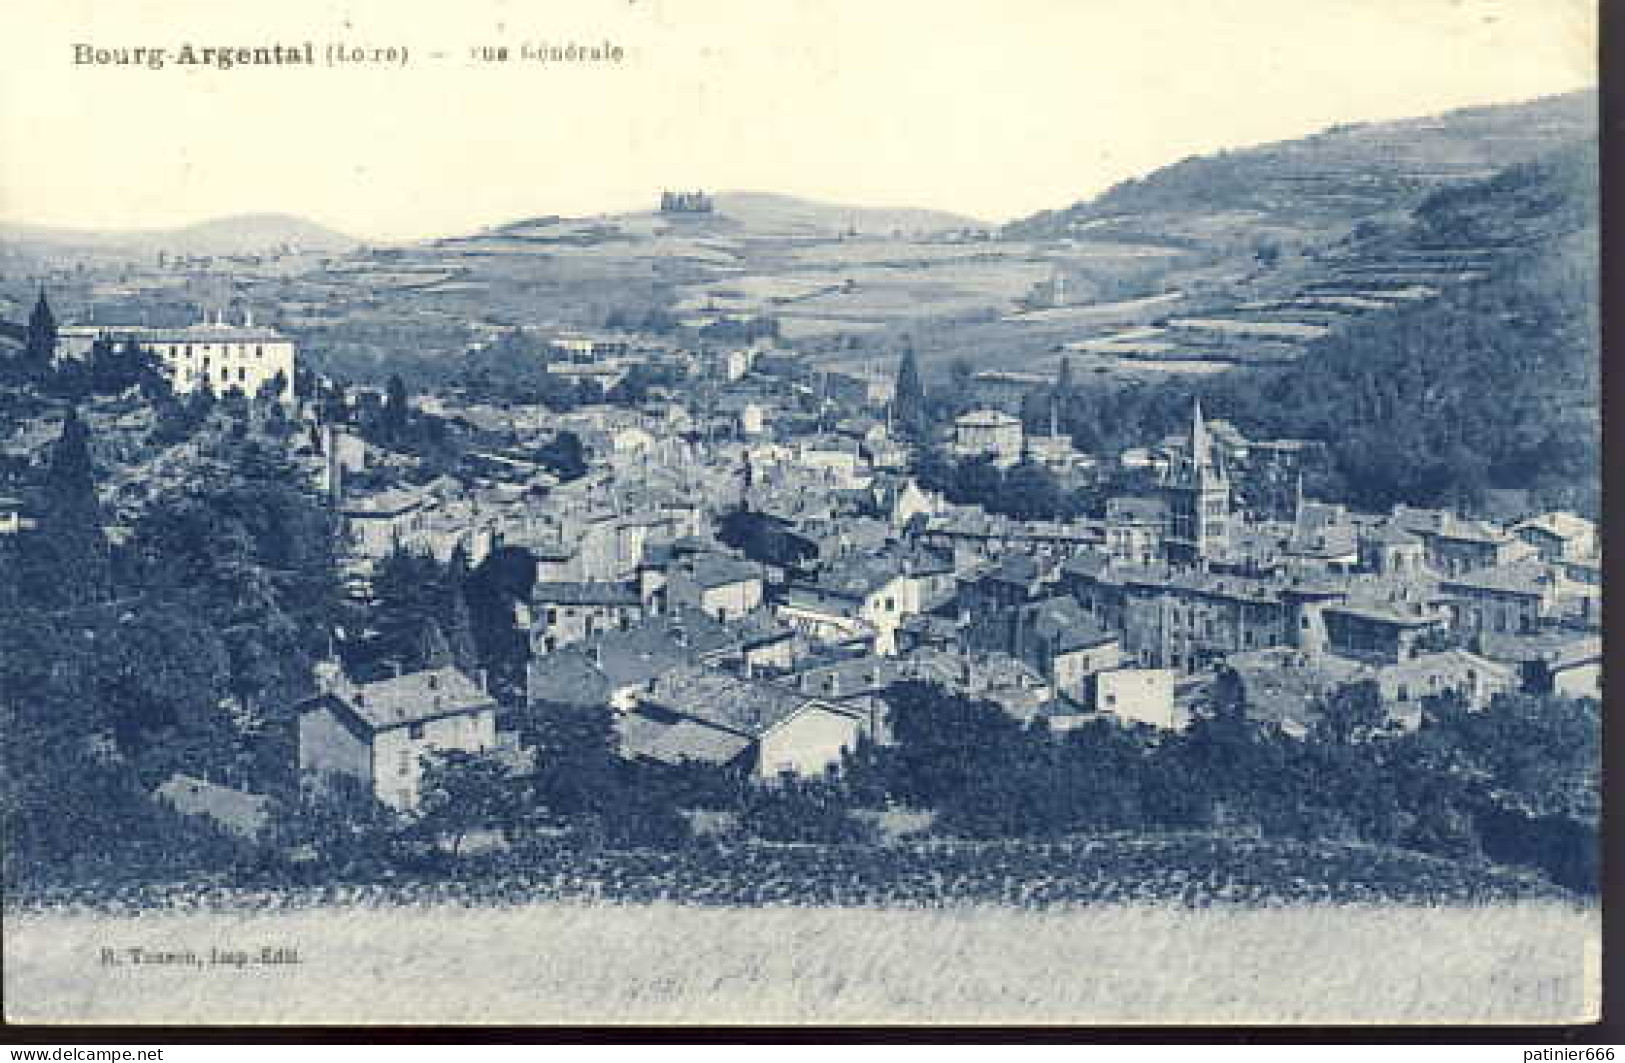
(1190, 870)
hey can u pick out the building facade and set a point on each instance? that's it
(213, 356)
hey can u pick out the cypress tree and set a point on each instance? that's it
(395, 412)
(39, 345)
(908, 400)
(459, 628)
(68, 549)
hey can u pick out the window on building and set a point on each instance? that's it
(415, 732)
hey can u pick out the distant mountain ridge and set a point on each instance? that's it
(766, 210)
(1331, 179)
(742, 214)
(233, 235)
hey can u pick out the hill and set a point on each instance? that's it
(1321, 183)
(767, 213)
(1458, 349)
(235, 235)
(1275, 248)
(744, 215)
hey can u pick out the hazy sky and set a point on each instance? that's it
(993, 108)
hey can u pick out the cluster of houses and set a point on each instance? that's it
(773, 657)
(770, 651)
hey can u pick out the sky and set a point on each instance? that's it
(990, 108)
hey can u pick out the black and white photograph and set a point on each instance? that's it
(791, 514)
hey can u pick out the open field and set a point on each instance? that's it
(1527, 962)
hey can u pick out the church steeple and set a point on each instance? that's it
(1198, 490)
(1201, 446)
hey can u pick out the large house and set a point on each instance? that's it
(1455, 545)
(210, 355)
(722, 587)
(377, 734)
(1515, 598)
(708, 717)
(866, 598)
(564, 613)
(988, 433)
(1559, 536)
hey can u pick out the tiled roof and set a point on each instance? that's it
(1390, 535)
(659, 645)
(1562, 525)
(567, 677)
(1580, 651)
(740, 705)
(1448, 664)
(1065, 623)
(759, 626)
(1398, 614)
(692, 741)
(1015, 568)
(197, 333)
(718, 571)
(1529, 578)
(1242, 588)
(386, 503)
(585, 592)
(415, 697)
(1135, 508)
(985, 419)
(237, 811)
(1516, 648)
(858, 576)
(1086, 563)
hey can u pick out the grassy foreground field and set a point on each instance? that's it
(553, 963)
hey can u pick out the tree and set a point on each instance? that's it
(433, 649)
(1352, 713)
(492, 589)
(347, 827)
(576, 761)
(462, 792)
(565, 456)
(1030, 493)
(908, 399)
(407, 596)
(458, 619)
(396, 413)
(960, 374)
(800, 810)
(66, 557)
(39, 342)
